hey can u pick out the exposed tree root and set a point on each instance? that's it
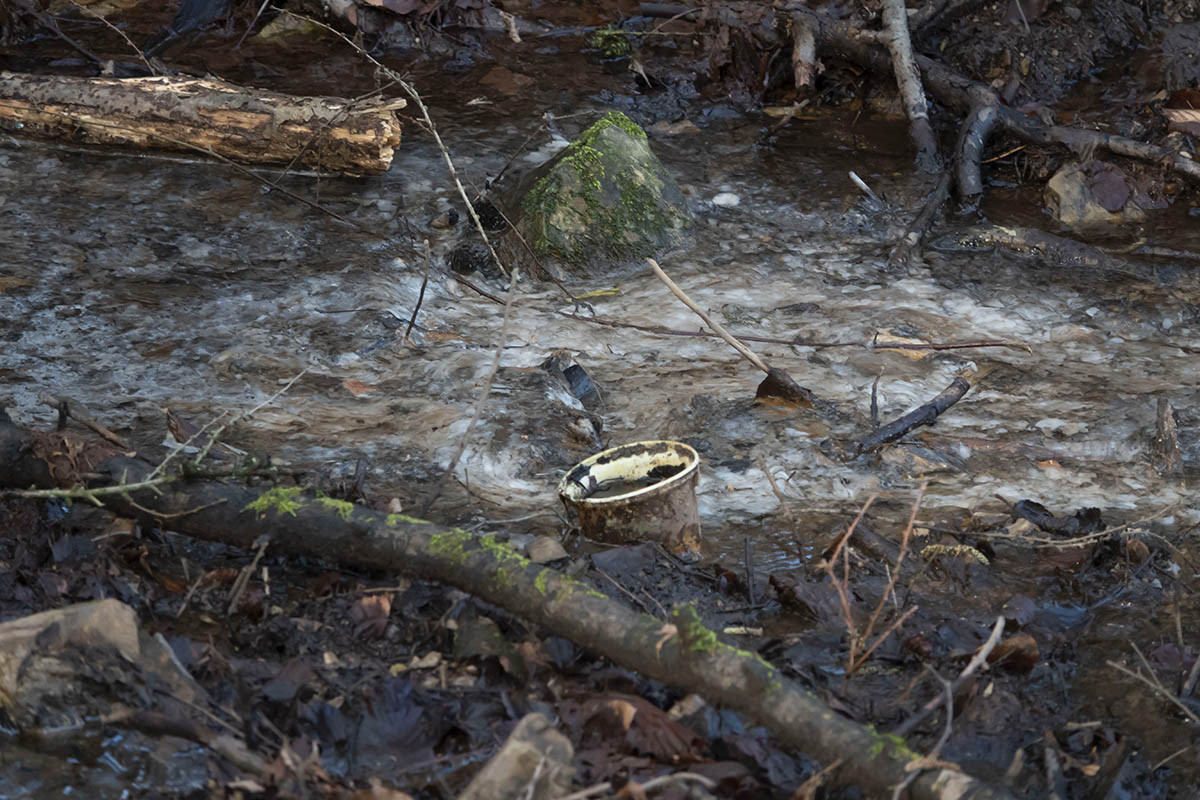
(962, 94)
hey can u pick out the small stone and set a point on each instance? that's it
(544, 549)
(726, 200)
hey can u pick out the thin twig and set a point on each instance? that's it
(73, 409)
(659, 330)
(220, 429)
(1151, 680)
(977, 661)
(746, 352)
(421, 295)
(412, 92)
(92, 13)
(779, 495)
(253, 22)
(84, 493)
(931, 758)
(905, 537)
(243, 578)
(1039, 542)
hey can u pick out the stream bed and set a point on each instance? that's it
(135, 284)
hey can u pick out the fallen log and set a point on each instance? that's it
(328, 134)
(682, 652)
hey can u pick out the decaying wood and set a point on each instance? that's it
(46, 658)
(681, 652)
(328, 134)
(805, 66)
(1165, 454)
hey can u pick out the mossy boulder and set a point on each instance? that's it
(605, 201)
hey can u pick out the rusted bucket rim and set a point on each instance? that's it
(630, 462)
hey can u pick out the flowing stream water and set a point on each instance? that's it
(133, 284)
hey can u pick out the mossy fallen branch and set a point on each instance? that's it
(683, 652)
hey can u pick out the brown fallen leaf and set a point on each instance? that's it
(1016, 654)
(370, 615)
(357, 388)
(1186, 120)
(647, 728)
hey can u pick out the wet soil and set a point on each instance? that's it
(132, 284)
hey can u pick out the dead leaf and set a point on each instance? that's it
(1186, 120)
(623, 711)
(370, 615)
(647, 728)
(1137, 550)
(681, 127)
(883, 338)
(632, 791)
(357, 388)
(506, 81)
(1016, 654)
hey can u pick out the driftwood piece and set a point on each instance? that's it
(925, 414)
(904, 250)
(329, 134)
(778, 385)
(681, 652)
(1052, 249)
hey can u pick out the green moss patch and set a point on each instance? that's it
(285, 500)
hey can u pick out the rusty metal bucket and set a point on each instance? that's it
(644, 491)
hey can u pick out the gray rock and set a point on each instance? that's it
(535, 762)
(1094, 193)
(603, 202)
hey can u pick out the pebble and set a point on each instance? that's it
(726, 200)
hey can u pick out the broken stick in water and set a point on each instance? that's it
(778, 385)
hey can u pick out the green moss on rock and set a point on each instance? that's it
(605, 197)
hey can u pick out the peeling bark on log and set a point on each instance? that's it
(329, 134)
(683, 653)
